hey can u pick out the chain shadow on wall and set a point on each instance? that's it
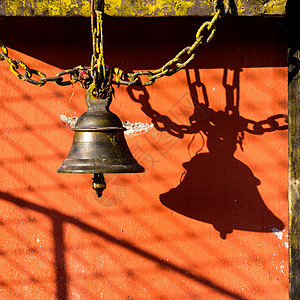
(216, 187)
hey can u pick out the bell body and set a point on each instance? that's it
(99, 145)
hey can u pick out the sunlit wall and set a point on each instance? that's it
(208, 218)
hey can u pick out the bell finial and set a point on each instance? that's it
(99, 184)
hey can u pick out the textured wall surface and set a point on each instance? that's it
(207, 220)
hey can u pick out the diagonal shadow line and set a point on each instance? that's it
(60, 259)
(61, 218)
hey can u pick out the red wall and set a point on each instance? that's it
(208, 218)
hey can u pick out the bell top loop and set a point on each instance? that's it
(95, 103)
(98, 117)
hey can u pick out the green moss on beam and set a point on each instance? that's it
(137, 8)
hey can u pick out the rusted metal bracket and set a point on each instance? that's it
(139, 8)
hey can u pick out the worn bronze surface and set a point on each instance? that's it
(138, 8)
(99, 145)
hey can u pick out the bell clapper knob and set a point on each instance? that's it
(99, 184)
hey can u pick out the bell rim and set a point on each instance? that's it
(98, 172)
(125, 165)
(100, 129)
(141, 170)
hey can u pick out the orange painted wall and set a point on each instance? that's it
(208, 218)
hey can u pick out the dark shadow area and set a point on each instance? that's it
(292, 11)
(151, 42)
(221, 190)
(217, 188)
(60, 259)
(59, 219)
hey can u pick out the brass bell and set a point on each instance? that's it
(99, 145)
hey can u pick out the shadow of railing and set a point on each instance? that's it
(59, 219)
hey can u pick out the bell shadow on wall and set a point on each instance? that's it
(217, 188)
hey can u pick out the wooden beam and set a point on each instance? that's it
(139, 8)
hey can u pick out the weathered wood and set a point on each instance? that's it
(293, 9)
(138, 8)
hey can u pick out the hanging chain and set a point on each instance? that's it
(102, 76)
(76, 74)
(204, 35)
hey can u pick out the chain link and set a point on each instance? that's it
(102, 75)
(98, 69)
(79, 73)
(204, 35)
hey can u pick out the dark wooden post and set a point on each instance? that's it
(293, 9)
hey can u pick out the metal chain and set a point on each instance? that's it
(76, 74)
(103, 77)
(204, 35)
(98, 68)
